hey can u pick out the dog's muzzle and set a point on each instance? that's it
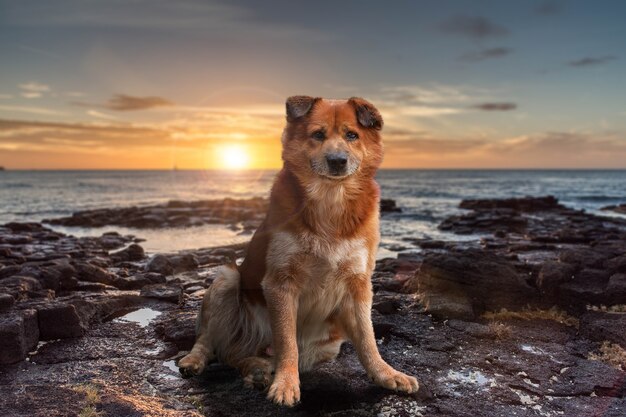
(337, 163)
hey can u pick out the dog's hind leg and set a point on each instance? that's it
(257, 372)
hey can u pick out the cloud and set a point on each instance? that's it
(32, 110)
(33, 89)
(124, 102)
(474, 27)
(549, 8)
(100, 115)
(501, 106)
(489, 53)
(590, 61)
(5, 96)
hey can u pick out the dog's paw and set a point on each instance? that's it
(258, 378)
(397, 381)
(191, 365)
(285, 389)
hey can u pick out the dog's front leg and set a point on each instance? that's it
(357, 321)
(282, 305)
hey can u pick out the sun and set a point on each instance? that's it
(233, 157)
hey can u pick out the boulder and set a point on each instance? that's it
(6, 301)
(59, 321)
(91, 273)
(160, 264)
(132, 253)
(19, 334)
(465, 284)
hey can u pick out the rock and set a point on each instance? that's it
(87, 272)
(615, 292)
(172, 214)
(389, 206)
(616, 264)
(6, 301)
(525, 204)
(19, 334)
(385, 306)
(601, 326)
(467, 283)
(179, 329)
(132, 253)
(620, 208)
(59, 321)
(173, 294)
(552, 275)
(160, 264)
(20, 287)
(183, 263)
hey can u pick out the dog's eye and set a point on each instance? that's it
(319, 135)
(350, 136)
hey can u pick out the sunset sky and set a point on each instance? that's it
(153, 84)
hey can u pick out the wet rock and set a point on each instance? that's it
(139, 280)
(132, 253)
(464, 284)
(179, 328)
(59, 321)
(172, 214)
(173, 294)
(620, 208)
(19, 333)
(601, 326)
(388, 205)
(526, 204)
(616, 264)
(170, 264)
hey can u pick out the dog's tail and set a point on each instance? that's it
(237, 329)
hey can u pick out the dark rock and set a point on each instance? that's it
(552, 275)
(620, 208)
(173, 294)
(132, 253)
(527, 204)
(19, 334)
(160, 264)
(615, 292)
(10, 270)
(386, 306)
(6, 301)
(183, 263)
(601, 326)
(179, 329)
(87, 272)
(20, 287)
(59, 321)
(172, 214)
(616, 264)
(389, 206)
(464, 284)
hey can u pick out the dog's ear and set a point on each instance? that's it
(366, 113)
(299, 106)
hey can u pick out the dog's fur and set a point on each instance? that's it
(305, 284)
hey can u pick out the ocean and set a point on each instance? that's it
(425, 196)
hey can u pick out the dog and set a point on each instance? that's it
(304, 286)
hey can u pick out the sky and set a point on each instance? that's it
(196, 84)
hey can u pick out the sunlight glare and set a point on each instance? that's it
(233, 157)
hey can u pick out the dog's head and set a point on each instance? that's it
(332, 139)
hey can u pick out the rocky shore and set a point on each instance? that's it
(529, 319)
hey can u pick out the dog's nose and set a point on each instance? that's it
(337, 161)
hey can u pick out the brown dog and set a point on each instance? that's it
(305, 284)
